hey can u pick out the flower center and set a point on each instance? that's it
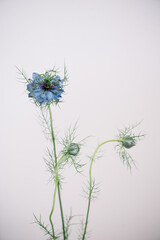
(47, 84)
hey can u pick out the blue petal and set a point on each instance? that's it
(37, 92)
(49, 95)
(57, 92)
(30, 94)
(55, 87)
(43, 96)
(40, 100)
(60, 90)
(56, 97)
(58, 77)
(35, 76)
(29, 87)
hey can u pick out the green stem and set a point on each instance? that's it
(90, 184)
(58, 186)
(55, 190)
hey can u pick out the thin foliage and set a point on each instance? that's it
(125, 134)
(23, 76)
(45, 228)
(73, 160)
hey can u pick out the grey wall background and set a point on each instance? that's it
(112, 52)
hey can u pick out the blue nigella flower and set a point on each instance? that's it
(45, 88)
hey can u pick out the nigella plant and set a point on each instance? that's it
(46, 90)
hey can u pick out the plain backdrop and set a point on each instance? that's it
(111, 49)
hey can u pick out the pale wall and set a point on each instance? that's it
(112, 53)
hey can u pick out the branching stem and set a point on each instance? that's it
(91, 183)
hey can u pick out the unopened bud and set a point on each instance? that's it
(128, 142)
(73, 149)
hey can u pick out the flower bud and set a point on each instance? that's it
(128, 142)
(73, 149)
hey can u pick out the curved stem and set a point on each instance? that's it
(90, 184)
(58, 186)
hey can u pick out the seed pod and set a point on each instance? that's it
(73, 149)
(128, 142)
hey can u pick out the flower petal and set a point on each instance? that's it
(37, 92)
(35, 76)
(29, 87)
(49, 95)
(30, 94)
(58, 77)
(41, 98)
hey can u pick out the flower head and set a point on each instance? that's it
(45, 88)
(127, 139)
